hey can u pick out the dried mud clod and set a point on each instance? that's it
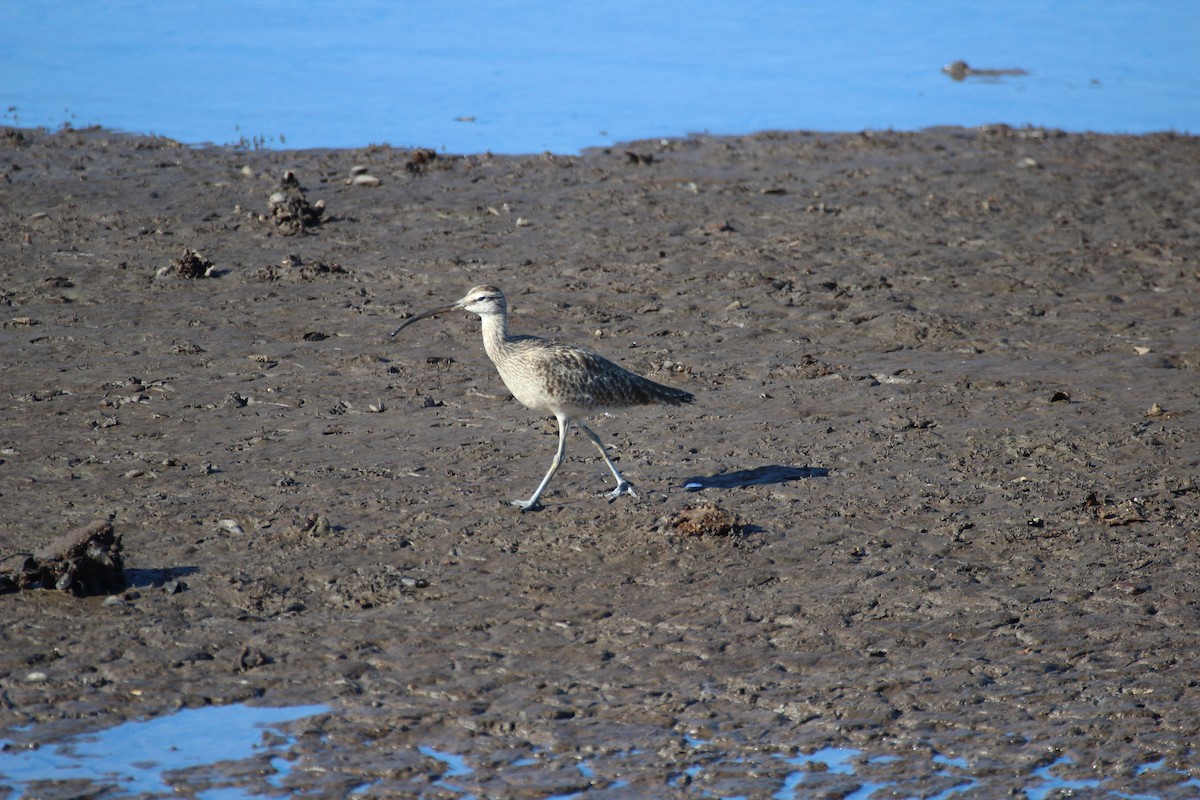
(704, 520)
(290, 210)
(83, 562)
(191, 265)
(293, 267)
(1115, 514)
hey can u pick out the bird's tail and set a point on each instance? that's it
(666, 395)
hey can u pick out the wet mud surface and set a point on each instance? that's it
(937, 497)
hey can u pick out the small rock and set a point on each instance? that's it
(720, 226)
(365, 180)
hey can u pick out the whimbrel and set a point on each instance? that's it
(553, 378)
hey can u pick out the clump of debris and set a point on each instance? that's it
(419, 159)
(707, 519)
(290, 210)
(86, 561)
(191, 265)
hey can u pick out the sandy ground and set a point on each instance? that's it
(947, 399)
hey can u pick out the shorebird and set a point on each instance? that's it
(554, 378)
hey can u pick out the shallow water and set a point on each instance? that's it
(520, 77)
(213, 752)
(137, 756)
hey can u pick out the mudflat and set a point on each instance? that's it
(936, 499)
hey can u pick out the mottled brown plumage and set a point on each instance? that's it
(554, 378)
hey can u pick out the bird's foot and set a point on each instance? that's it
(532, 504)
(624, 487)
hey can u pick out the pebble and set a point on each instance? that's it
(365, 180)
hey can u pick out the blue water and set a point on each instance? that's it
(524, 76)
(135, 756)
(153, 757)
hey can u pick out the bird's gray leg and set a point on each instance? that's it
(623, 486)
(532, 503)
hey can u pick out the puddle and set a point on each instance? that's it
(846, 773)
(135, 758)
(227, 753)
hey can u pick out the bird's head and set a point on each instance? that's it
(482, 300)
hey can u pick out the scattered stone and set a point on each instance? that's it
(186, 348)
(719, 226)
(365, 180)
(316, 524)
(252, 657)
(174, 586)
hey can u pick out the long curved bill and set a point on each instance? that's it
(434, 312)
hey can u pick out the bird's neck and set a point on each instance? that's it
(495, 333)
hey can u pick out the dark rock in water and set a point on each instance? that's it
(86, 561)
